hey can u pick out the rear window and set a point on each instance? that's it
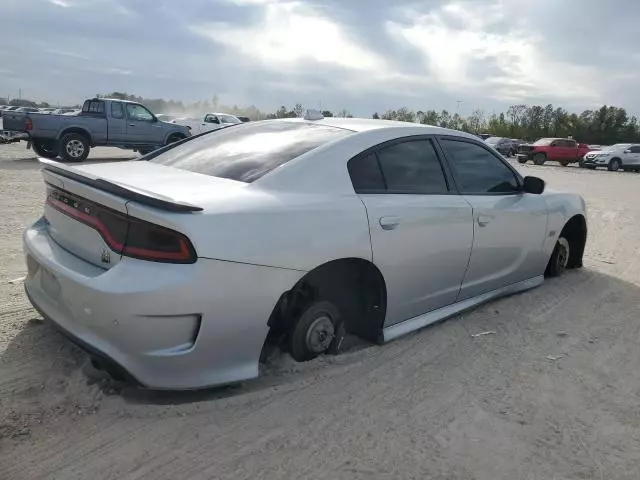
(247, 151)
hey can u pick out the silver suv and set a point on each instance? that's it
(615, 157)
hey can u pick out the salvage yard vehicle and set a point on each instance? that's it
(102, 122)
(619, 156)
(561, 150)
(175, 269)
(208, 122)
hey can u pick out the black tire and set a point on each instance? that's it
(45, 148)
(614, 165)
(316, 331)
(539, 158)
(559, 258)
(144, 151)
(522, 160)
(174, 138)
(564, 163)
(74, 147)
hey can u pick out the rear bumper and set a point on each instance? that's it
(168, 326)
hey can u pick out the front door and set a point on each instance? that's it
(142, 126)
(421, 231)
(509, 225)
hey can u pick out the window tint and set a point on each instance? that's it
(116, 110)
(477, 170)
(366, 175)
(635, 149)
(211, 119)
(412, 167)
(139, 113)
(93, 106)
(247, 151)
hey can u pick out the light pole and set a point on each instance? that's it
(458, 102)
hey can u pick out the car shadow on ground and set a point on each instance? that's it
(39, 360)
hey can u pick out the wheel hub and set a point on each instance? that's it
(563, 253)
(320, 334)
(75, 148)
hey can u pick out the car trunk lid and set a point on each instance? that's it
(87, 206)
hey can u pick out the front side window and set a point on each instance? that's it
(211, 119)
(477, 170)
(634, 149)
(249, 151)
(138, 113)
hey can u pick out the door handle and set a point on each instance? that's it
(484, 220)
(389, 223)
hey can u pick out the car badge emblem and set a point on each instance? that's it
(105, 256)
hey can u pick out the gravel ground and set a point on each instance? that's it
(553, 394)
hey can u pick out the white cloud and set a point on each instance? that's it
(458, 35)
(291, 32)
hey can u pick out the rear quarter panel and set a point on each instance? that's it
(287, 230)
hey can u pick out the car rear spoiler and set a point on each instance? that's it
(141, 196)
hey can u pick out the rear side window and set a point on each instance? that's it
(116, 110)
(248, 151)
(93, 106)
(407, 167)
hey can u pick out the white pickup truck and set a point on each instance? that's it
(209, 121)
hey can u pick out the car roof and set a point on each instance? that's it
(367, 124)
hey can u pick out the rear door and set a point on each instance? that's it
(633, 157)
(509, 225)
(142, 126)
(421, 229)
(117, 123)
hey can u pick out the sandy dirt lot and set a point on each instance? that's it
(553, 394)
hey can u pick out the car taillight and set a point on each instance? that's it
(126, 235)
(28, 125)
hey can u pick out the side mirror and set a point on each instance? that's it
(533, 185)
(627, 151)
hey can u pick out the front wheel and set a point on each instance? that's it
(614, 165)
(564, 163)
(522, 159)
(315, 331)
(45, 148)
(559, 258)
(74, 147)
(539, 158)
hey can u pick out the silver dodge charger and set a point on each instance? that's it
(178, 268)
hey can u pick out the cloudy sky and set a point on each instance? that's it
(362, 55)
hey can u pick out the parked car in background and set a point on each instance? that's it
(484, 136)
(163, 117)
(27, 110)
(102, 122)
(209, 121)
(64, 111)
(243, 119)
(624, 156)
(47, 110)
(503, 145)
(212, 246)
(562, 150)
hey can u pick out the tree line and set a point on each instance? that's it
(604, 126)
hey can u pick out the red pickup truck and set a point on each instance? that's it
(562, 150)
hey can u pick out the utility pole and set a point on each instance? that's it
(19, 94)
(458, 102)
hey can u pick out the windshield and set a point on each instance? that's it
(543, 141)
(247, 151)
